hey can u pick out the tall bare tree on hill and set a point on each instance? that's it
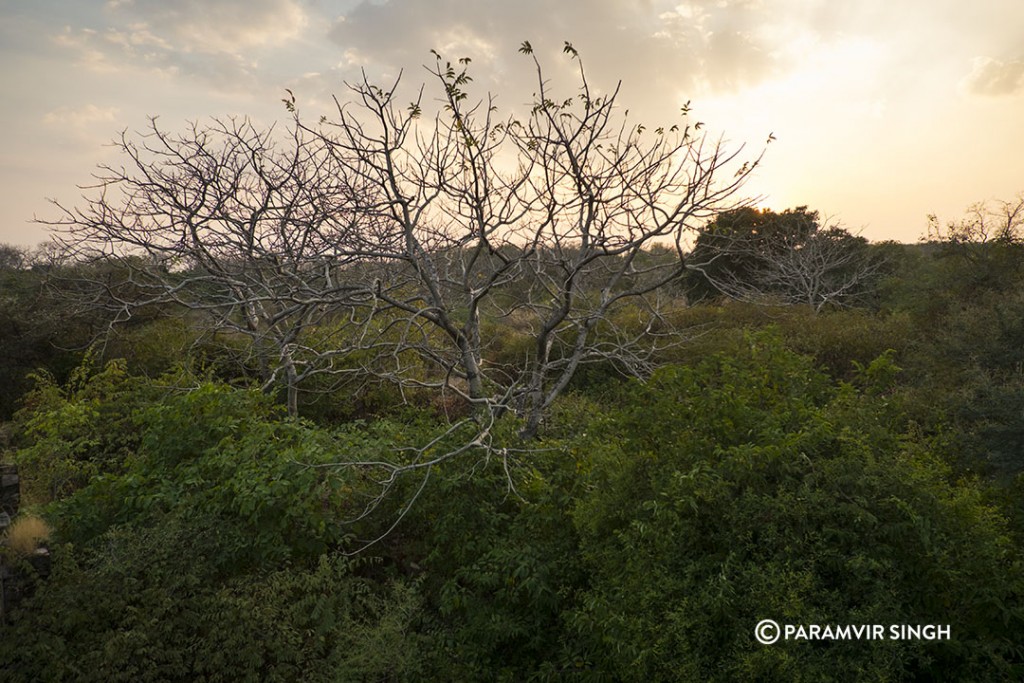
(418, 238)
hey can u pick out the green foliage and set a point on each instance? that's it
(823, 471)
(221, 453)
(500, 568)
(208, 554)
(837, 340)
(74, 432)
(145, 605)
(964, 365)
(750, 488)
(157, 345)
(842, 341)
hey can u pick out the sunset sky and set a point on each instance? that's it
(883, 112)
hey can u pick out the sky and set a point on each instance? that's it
(882, 112)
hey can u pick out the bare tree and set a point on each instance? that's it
(988, 240)
(829, 268)
(786, 259)
(548, 221)
(419, 241)
(1000, 222)
(237, 225)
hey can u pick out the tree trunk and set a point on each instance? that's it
(292, 385)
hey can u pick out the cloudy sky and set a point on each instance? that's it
(883, 111)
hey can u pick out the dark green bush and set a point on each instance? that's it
(751, 487)
(209, 554)
(146, 604)
(500, 568)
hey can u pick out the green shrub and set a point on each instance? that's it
(751, 487)
(229, 454)
(144, 604)
(841, 340)
(500, 567)
(69, 434)
(209, 555)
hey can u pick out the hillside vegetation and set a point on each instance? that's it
(854, 462)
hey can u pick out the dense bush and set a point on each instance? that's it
(72, 432)
(147, 604)
(750, 488)
(209, 552)
(500, 569)
(37, 330)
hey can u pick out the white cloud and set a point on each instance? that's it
(91, 51)
(220, 42)
(723, 43)
(994, 77)
(80, 117)
(231, 26)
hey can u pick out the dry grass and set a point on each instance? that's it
(25, 534)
